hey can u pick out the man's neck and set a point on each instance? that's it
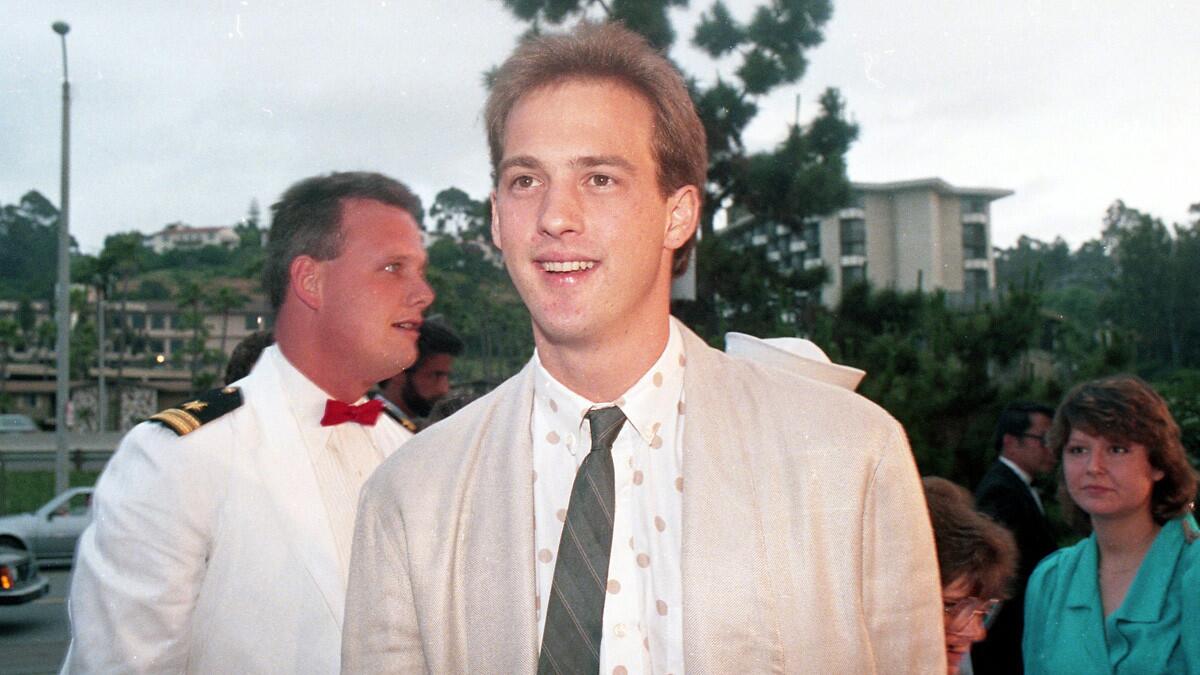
(601, 370)
(321, 372)
(1022, 471)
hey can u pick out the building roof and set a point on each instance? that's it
(935, 184)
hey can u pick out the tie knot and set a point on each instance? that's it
(606, 424)
(337, 412)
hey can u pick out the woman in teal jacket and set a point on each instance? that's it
(1127, 598)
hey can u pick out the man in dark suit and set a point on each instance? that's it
(1006, 494)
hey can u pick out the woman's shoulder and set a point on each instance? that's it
(1060, 564)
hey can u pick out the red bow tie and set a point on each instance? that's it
(337, 412)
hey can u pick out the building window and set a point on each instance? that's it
(974, 241)
(176, 347)
(854, 236)
(137, 320)
(158, 321)
(974, 205)
(812, 241)
(853, 274)
(975, 283)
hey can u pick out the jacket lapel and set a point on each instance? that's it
(1083, 613)
(287, 476)
(496, 568)
(725, 625)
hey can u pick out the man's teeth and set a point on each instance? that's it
(571, 266)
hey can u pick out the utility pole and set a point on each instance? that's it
(63, 289)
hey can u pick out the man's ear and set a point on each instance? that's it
(682, 216)
(496, 223)
(304, 277)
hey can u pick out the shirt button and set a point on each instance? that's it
(619, 630)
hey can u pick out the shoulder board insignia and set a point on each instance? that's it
(395, 413)
(190, 416)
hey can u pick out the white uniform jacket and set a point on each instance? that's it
(212, 552)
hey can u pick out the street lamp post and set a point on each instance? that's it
(63, 288)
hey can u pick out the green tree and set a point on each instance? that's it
(28, 247)
(224, 300)
(935, 368)
(1154, 291)
(10, 332)
(191, 294)
(477, 298)
(123, 257)
(454, 212)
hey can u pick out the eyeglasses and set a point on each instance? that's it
(960, 614)
(1040, 439)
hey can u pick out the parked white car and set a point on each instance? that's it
(19, 578)
(51, 532)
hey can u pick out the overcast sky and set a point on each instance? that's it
(186, 111)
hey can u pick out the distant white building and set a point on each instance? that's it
(905, 235)
(178, 235)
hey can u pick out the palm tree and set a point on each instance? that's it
(10, 331)
(190, 293)
(225, 300)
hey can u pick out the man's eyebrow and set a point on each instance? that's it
(587, 161)
(520, 161)
(604, 160)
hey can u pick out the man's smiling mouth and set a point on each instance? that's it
(567, 266)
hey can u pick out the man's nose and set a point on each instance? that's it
(421, 294)
(561, 212)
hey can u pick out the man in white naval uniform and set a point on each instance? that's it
(222, 533)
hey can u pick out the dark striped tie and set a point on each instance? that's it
(571, 639)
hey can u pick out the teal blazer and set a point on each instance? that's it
(1155, 630)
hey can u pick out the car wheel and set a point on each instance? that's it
(13, 542)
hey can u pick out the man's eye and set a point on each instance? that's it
(1076, 450)
(524, 182)
(391, 267)
(600, 180)
(1118, 450)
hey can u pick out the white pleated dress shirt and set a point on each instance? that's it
(642, 623)
(342, 456)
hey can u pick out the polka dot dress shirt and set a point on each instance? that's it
(642, 624)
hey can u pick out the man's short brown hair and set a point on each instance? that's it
(307, 220)
(609, 51)
(1124, 409)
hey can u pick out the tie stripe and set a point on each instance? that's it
(571, 640)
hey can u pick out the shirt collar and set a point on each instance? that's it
(304, 397)
(655, 396)
(1146, 597)
(1026, 478)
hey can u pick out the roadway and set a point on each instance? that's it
(34, 636)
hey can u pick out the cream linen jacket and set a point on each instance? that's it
(806, 541)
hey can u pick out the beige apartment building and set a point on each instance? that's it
(917, 234)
